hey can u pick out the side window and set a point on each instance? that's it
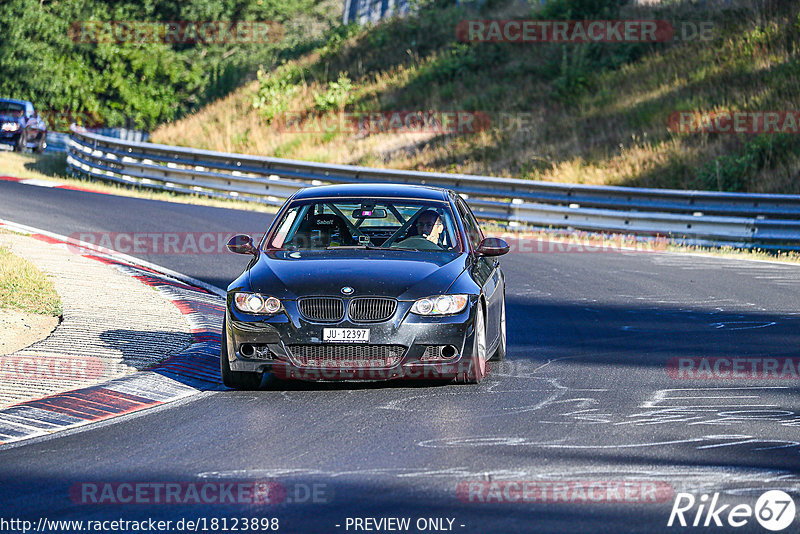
(474, 233)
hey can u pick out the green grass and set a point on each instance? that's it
(26, 288)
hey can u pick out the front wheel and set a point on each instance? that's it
(234, 379)
(478, 367)
(41, 145)
(22, 142)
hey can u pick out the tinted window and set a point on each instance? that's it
(11, 108)
(474, 233)
(374, 223)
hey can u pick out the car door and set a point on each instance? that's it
(486, 273)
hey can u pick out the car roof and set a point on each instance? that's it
(373, 190)
(14, 101)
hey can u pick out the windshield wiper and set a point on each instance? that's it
(355, 247)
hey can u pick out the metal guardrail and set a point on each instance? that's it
(703, 217)
(58, 141)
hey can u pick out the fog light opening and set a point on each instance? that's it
(439, 353)
(449, 352)
(247, 350)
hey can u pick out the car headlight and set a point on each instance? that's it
(440, 305)
(10, 127)
(256, 303)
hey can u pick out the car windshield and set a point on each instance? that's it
(11, 109)
(369, 223)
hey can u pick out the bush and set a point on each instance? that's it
(735, 172)
(274, 93)
(336, 97)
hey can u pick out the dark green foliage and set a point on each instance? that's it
(134, 84)
(732, 172)
(581, 9)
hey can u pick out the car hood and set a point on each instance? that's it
(10, 118)
(406, 275)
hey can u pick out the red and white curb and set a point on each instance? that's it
(47, 183)
(187, 373)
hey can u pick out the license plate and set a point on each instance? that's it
(345, 335)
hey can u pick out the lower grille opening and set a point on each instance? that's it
(344, 356)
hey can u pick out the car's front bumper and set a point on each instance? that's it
(10, 138)
(276, 336)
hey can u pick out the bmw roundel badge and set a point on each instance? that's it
(347, 290)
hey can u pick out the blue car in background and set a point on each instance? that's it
(21, 127)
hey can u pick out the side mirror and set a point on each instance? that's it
(492, 246)
(242, 244)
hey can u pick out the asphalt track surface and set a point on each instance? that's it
(584, 396)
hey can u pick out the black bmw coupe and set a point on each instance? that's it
(366, 282)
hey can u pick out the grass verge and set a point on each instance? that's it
(26, 288)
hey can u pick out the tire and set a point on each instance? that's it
(234, 379)
(478, 366)
(41, 145)
(22, 142)
(500, 353)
